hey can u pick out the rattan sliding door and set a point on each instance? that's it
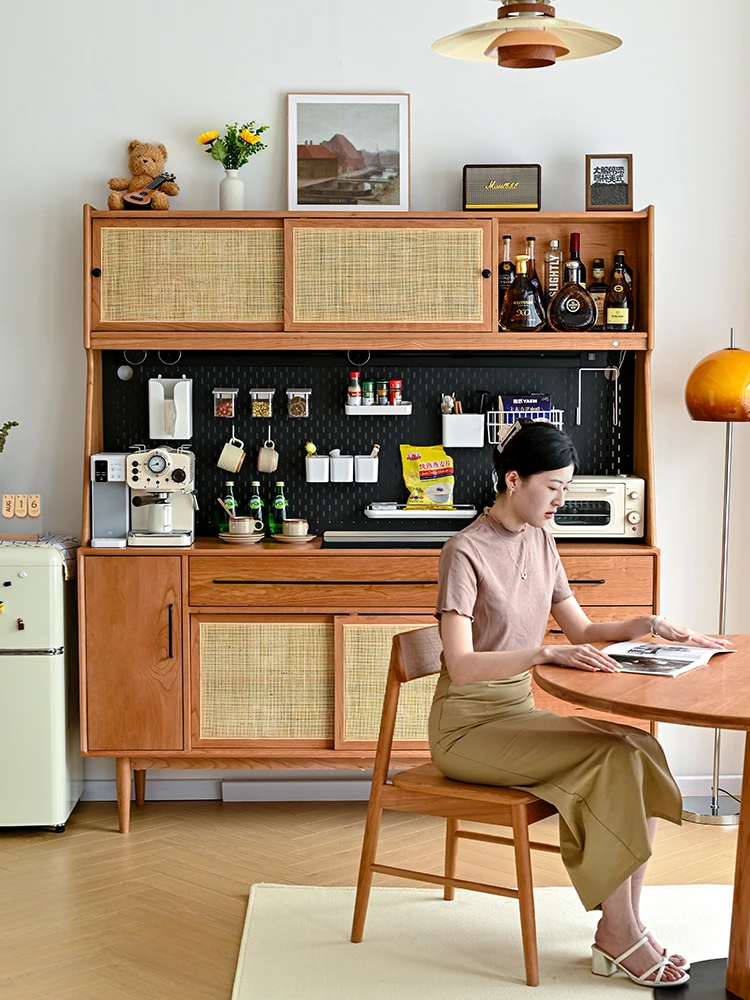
(363, 650)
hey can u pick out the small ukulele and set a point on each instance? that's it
(142, 197)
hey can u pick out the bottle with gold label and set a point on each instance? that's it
(598, 289)
(522, 310)
(573, 309)
(618, 305)
(628, 271)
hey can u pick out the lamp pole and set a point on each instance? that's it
(699, 808)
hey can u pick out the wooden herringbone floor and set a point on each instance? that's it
(157, 914)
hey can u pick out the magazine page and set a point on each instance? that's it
(664, 659)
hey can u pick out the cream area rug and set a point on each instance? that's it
(417, 946)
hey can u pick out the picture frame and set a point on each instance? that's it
(609, 182)
(348, 152)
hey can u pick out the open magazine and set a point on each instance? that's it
(662, 659)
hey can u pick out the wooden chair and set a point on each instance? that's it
(426, 791)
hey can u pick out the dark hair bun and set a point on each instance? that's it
(537, 447)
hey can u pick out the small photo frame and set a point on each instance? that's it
(348, 152)
(609, 182)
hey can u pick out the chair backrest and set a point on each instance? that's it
(417, 653)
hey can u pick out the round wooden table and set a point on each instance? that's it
(716, 696)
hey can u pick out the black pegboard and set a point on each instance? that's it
(602, 447)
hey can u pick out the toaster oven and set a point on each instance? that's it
(602, 507)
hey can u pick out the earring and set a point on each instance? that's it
(511, 490)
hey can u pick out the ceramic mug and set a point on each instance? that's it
(232, 455)
(295, 526)
(268, 457)
(244, 525)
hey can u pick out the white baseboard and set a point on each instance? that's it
(344, 787)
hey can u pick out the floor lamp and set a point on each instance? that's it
(718, 389)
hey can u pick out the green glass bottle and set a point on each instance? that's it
(279, 511)
(231, 503)
(256, 505)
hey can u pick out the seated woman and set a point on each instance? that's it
(499, 578)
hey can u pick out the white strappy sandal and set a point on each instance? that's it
(680, 968)
(603, 964)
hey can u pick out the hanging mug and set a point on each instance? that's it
(232, 455)
(268, 457)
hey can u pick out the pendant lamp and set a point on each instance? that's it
(718, 389)
(526, 35)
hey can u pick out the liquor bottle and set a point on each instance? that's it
(572, 309)
(628, 271)
(278, 512)
(531, 266)
(256, 504)
(619, 302)
(522, 309)
(553, 266)
(575, 256)
(598, 289)
(231, 503)
(507, 271)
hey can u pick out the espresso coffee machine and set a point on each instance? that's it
(162, 498)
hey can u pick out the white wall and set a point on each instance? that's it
(79, 84)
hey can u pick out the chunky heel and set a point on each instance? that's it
(600, 964)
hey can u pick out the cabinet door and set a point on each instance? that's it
(133, 653)
(363, 651)
(161, 274)
(262, 681)
(388, 274)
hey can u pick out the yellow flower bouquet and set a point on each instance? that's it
(237, 146)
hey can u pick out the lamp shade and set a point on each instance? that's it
(719, 387)
(527, 49)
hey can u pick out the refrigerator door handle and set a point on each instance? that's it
(171, 645)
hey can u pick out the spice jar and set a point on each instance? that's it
(368, 393)
(394, 392)
(298, 402)
(381, 392)
(354, 390)
(224, 402)
(261, 402)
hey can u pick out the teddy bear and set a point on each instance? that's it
(146, 162)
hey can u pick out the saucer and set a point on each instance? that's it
(242, 539)
(293, 538)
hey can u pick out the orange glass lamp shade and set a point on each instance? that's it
(527, 49)
(719, 387)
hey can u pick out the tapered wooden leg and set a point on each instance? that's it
(123, 793)
(140, 786)
(525, 893)
(364, 881)
(738, 963)
(451, 855)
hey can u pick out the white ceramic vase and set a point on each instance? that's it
(232, 193)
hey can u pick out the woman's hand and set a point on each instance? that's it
(586, 657)
(678, 633)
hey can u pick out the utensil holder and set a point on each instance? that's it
(463, 430)
(317, 468)
(365, 469)
(342, 468)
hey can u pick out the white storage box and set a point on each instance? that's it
(317, 468)
(463, 430)
(342, 468)
(365, 469)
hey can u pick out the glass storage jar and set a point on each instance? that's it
(261, 402)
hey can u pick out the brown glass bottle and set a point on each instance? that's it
(522, 310)
(620, 314)
(598, 290)
(628, 270)
(572, 310)
(531, 266)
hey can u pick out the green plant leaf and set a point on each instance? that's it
(219, 151)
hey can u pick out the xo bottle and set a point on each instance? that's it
(522, 310)
(572, 309)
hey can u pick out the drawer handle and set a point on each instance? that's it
(328, 583)
(556, 631)
(171, 644)
(587, 581)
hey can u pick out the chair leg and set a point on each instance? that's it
(525, 893)
(451, 855)
(364, 881)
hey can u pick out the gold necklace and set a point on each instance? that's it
(524, 571)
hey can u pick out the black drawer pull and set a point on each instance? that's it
(171, 644)
(327, 583)
(556, 631)
(587, 581)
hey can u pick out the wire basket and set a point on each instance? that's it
(499, 422)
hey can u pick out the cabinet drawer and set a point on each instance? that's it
(603, 580)
(312, 582)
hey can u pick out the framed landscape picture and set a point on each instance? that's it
(348, 152)
(609, 182)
